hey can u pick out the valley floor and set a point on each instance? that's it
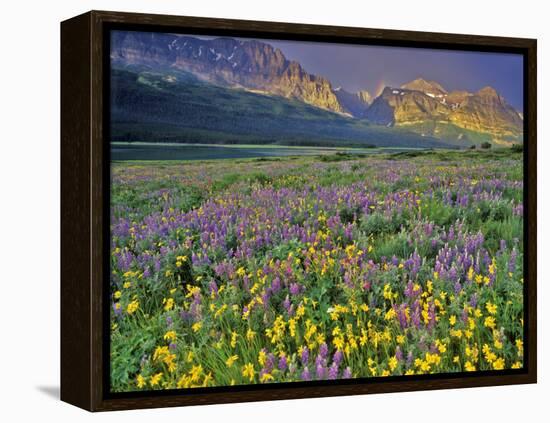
(280, 269)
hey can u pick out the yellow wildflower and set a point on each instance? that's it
(234, 336)
(491, 308)
(266, 377)
(519, 346)
(207, 378)
(155, 379)
(469, 367)
(498, 364)
(140, 381)
(248, 371)
(452, 320)
(390, 314)
(132, 307)
(441, 347)
(490, 322)
(229, 362)
(195, 373)
(170, 335)
(168, 304)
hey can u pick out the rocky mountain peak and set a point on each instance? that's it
(488, 92)
(249, 64)
(364, 96)
(355, 104)
(427, 87)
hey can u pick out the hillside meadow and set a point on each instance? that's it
(286, 269)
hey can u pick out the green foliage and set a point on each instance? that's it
(517, 148)
(145, 107)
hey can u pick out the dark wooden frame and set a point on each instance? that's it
(84, 180)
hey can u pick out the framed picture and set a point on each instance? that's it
(257, 211)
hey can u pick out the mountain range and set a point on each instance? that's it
(215, 75)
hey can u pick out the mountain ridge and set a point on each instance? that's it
(258, 67)
(147, 106)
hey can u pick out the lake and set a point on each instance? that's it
(163, 151)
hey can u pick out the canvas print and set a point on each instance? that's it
(302, 212)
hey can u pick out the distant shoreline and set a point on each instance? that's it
(139, 151)
(263, 146)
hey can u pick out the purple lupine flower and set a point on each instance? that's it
(337, 357)
(452, 274)
(409, 290)
(295, 288)
(270, 362)
(323, 350)
(265, 298)
(147, 272)
(347, 373)
(282, 363)
(398, 353)
(213, 287)
(402, 315)
(186, 316)
(415, 316)
(320, 360)
(333, 371)
(305, 356)
(457, 287)
(465, 315)
(305, 374)
(321, 371)
(276, 285)
(286, 303)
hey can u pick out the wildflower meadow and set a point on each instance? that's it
(290, 269)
